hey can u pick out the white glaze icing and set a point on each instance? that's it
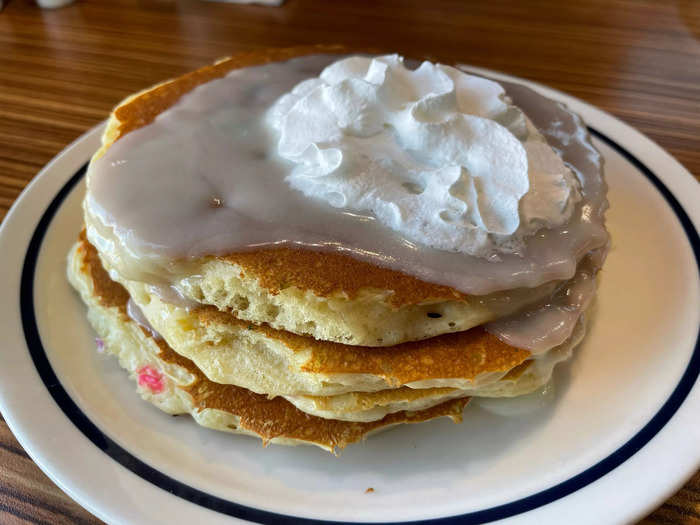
(204, 179)
(551, 322)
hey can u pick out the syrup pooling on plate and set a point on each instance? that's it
(204, 179)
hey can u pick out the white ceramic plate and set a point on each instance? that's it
(619, 436)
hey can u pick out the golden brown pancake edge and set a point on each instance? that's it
(323, 273)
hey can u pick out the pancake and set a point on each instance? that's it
(333, 297)
(174, 384)
(231, 294)
(525, 378)
(326, 295)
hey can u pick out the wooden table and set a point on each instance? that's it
(62, 71)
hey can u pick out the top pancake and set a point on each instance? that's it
(324, 274)
(330, 296)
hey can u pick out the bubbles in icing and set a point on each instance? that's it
(433, 153)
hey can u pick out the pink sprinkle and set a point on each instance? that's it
(150, 378)
(100, 345)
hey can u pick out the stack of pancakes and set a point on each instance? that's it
(298, 346)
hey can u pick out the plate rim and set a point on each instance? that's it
(693, 366)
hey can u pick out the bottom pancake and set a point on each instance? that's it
(175, 385)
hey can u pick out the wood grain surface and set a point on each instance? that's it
(61, 71)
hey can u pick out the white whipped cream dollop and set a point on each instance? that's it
(438, 155)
